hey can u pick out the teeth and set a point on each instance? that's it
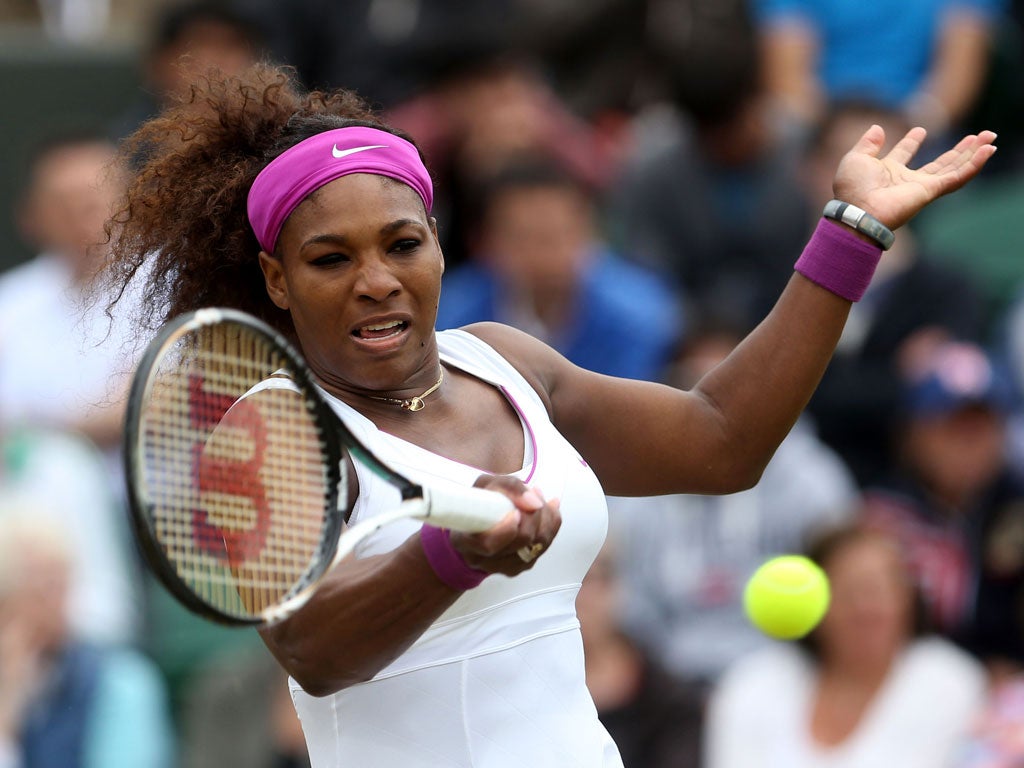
(382, 326)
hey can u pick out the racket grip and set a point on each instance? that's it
(464, 508)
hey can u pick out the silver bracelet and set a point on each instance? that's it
(860, 220)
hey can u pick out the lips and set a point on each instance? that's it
(384, 329)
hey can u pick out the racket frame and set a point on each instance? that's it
(141, 508)
(463, 508)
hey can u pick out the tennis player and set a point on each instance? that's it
(434, 648)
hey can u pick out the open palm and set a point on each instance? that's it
(894, 193)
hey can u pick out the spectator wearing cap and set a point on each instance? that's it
(956, 503)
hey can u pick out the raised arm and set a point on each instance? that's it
(643, 438)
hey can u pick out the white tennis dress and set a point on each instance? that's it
(497, 681)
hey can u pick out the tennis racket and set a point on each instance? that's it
(238, 472)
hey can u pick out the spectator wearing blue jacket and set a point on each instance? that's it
(540, 265)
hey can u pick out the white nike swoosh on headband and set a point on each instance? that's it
(345, 152)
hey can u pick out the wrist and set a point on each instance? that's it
(446, 561)
(861, 222)
(838, 261)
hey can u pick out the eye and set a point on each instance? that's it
(329, 259)
(405, 245)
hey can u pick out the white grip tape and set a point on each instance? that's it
(464, 508)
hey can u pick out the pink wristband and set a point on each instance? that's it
(839, 261)
(446, 561)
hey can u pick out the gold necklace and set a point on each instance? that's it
(413, 403)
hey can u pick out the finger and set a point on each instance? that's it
(951, 158)
(544, 526)
(531, 525)
(540, 541)
(964, 153)
(530, 500)
(871, 142)
(961, 164)
(524, 498)
(908, 146)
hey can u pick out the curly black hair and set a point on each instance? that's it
(182, 230)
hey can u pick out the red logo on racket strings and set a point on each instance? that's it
(234, 477)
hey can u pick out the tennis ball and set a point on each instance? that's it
(786, 597)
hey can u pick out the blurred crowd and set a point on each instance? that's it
(631, 181)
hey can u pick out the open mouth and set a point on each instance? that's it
(376, 331)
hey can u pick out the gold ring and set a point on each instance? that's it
(529, 554)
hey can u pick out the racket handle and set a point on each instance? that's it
(464, 508)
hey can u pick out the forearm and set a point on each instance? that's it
(363, 616)
(961, 63)
(759, 391)
(790, 53)
(718, 437)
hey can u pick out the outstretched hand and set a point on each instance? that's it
(894, 193)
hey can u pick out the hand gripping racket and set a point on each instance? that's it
(237, 472)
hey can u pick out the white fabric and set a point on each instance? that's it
(59, 354)
(760, 713)
(498, 679)
(63, 479)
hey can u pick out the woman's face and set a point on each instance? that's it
(360, 273)
(871, 614)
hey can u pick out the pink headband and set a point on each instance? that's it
(290, 177)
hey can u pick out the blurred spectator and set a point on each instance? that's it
(187, 39)
(957, 505)
(541, 267)
(719, 207)
(866, 689)
(617, 57)
(653, 717)
(685, 559)
(466, 80)
(65, 481)
(74, 21)
(385, 50)
(63, 362)
(64, 367)
(929, 60)
(65, 703)
(238, 713)
(481, 110)
(912, 304)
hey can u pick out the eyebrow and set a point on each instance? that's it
(336, 239)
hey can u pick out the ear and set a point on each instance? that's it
(273, 275)
(437, 241)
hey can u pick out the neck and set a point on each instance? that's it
(416, 402)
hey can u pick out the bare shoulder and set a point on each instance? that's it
(538, 363)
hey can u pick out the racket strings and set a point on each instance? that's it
(234, 467)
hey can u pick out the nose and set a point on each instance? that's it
(375, 281)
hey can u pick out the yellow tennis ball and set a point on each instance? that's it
(787, 597)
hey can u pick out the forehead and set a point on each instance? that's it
(351, 204)
(73, 163)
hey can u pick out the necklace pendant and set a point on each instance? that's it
(413, 404)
